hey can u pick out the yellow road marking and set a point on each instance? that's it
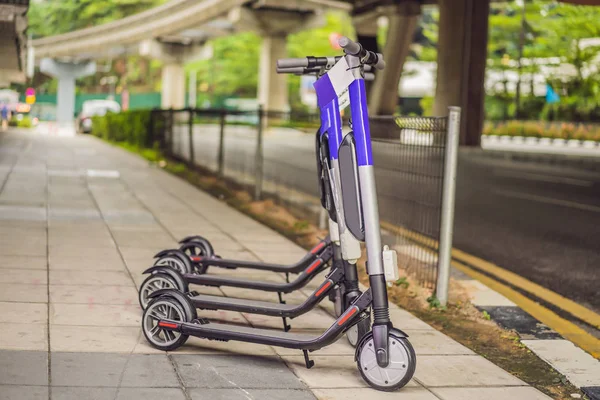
(565, 328)
(577, 310)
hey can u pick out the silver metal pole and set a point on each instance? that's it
(448, 197)
(192, 92)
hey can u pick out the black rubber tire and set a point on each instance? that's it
(182, 309)
(182, 259)
(363, 327)
(194, 248)
(142, 299)
(412, 362)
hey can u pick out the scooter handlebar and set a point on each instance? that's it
(356, 49)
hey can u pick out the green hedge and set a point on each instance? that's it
(132, 127)
(541, 129)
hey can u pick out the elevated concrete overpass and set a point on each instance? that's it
(13, 23)
(177, 31)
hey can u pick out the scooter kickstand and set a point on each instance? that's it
(309, 363)
(280, 298)
(287, 277)
(286, 327)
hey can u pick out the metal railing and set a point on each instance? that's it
(261, 152)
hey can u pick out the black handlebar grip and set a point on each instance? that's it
(349, 46)
(292, 63)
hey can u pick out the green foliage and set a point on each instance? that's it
(131, 127)
(540, 129)
(426, 104)
(434, 302)
(402, 282)
(486, 315)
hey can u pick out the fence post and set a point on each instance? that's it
(258, 158)
(221, 155)
(150, 138)
(448, 197)
(191, 134)
(170, 137)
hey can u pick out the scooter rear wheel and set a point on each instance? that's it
(357, 332)
(400, 369)
(153, 283)
(193, 248)
(164, 308)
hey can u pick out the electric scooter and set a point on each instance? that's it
(384, 356)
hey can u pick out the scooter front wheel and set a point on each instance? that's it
(175, 262)
(400, 369)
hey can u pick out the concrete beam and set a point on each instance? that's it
(66, 73)
(403, 20)
(272, 87)
(462, 54)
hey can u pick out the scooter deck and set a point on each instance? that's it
(209, 302)
(284, 287)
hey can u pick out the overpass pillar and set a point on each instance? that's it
(272, 87)
(403, 20)
(461, 60)
(173, 86)
(66, 73)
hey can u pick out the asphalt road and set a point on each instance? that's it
(538, 221)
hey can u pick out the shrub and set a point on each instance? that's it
(25, 123)
(132, 127)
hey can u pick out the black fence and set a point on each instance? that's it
(272, 155)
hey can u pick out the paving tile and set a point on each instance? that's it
(23, 262)
(406, 321)
(493, 393)
(87, 369)
(150, 394)
(92, 294)
(215, 372)
(436, 371)
(578, 366)
(149, 370)
(329, 372)
(110, 262)
(23, 367)
(70, 250)
(202, 346)
(24, 336)
(72, 277)
(93, 338)
(14, 392)
(432, 342)
(80, 393)
(315, 319)
(32, 313)
(406, 393)
(23, 247)
(26, 293)
(28, 277)
(339, 348)
(245, 394)
(92, 314)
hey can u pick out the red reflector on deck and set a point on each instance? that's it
(326, 286)
(195, 258)
(347, 316)
(313, 266)
(168, 325)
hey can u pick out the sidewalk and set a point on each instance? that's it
(80, 220)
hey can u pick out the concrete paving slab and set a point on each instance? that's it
(315, 319)
(149, 370)
(102, 278)
(406, 393)
(12, 392)
(110, 262)
(79, 393)
(21, 213)
(24, 336)
(23, 368)
(431, 342)
(87, 369)
(340, 348)
(202, 346)
(328, 372)
(92, 314)
(406, 321)
(22, 247)
(211, 371)
(26, 313)
(92, 294)
(23, 262)
(24, 293)
(245, 394)
(578, 366)
(21, 276)
(462, 371)
(150, 394)
(489, 393)
(144, 239)
(115, 339)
